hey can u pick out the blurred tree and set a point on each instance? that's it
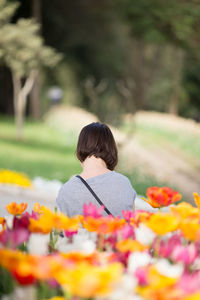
(138, 47)
(191, 82)
(93, 39)
(163, 23)
(23, 51)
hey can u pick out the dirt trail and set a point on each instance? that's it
(161, 164)
(165, 164)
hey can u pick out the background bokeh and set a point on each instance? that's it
(132, 64)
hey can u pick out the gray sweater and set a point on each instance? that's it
(113, 189)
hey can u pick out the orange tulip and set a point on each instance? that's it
(63, 222)
(130, 245)
(158, 197)
(48, 221)
(197, 199)
(140, 217)
(103, 225)
(38, 208)
(2, 222)
(16, 209)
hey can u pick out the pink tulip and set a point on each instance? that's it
(127, 231)
(14, 238)
(70, 234)
(189, 283)
(33, 215)
(165, 248)
(92, 211)
(141, 275)
(185, 254)
(127, 214)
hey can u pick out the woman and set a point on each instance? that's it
(97, 153)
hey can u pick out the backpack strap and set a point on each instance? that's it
(94, 194)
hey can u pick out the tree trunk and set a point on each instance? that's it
(174, 105)
(177, 60)
(140, 82)
(35, 105)
(20, 100)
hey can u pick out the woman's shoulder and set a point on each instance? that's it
(120, 176)
(70, 184)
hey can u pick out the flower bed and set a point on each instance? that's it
(14, 178)
(145, 255)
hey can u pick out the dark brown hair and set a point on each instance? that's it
(97, 139)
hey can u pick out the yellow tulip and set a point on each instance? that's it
(162, 223)
(56, 298)
(195, 296)
(85, 280)
(191, 229)
(184, 210)
(11, 177)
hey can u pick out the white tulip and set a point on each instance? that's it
(164, 267)
(144, 235)
(38, 244)
(138, 259)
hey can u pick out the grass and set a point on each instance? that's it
(142, 181)
(44, 151)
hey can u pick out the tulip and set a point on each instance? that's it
(158, 197)
(16, 209)
(190, 228)
(22, 222)
(14, 238)
(189, 282)
(141, 275)
(2, 222)
(130, 246)
(184, 210)
(197, 199)
(92, 211)
(186, 255)
(165, 248)
(162, 223)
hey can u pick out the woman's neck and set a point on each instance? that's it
(93, 166)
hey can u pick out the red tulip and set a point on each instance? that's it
(161, 196)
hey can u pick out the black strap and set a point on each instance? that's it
(93, 193)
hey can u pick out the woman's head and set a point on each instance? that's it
(97, 139)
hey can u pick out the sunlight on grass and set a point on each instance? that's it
(43, 152)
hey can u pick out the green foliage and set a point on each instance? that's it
(44, 291)
(22, 48)
(7, 10)
(6, 283)
(191, 82)
(163, 21)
